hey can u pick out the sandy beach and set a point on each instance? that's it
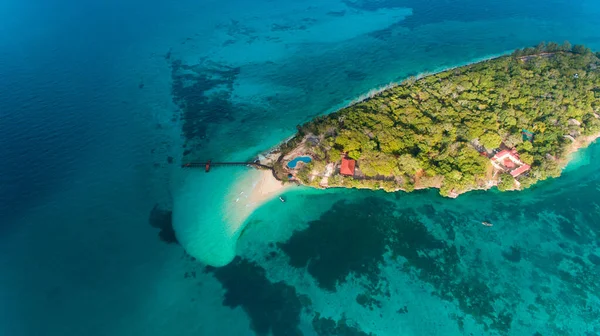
(208, 227)
(249, 193)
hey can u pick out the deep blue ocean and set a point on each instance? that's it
(101, 101)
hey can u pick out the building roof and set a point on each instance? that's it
(520, 170)
(347, 167)
(508, 163)
(501, 154)
(505, 152)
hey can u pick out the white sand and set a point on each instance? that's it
(208, 227)
(247, 194)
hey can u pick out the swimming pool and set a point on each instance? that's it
(292, 164)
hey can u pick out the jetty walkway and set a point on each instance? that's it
(209, 164)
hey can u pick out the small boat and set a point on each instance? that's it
(487, 224)
(282, 199)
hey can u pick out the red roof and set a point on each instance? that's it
(511, 152)
(348, 166)
(519, 170)
(501, 153)
(508, 163)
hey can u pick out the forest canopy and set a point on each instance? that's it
(435, 130)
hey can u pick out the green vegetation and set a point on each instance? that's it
(432, 131)
(506, 182)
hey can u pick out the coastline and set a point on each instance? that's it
(577, 145)
(373, 92)
(321, 167)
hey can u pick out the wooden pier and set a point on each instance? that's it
(209, 164)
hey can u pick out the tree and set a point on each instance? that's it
(506, 182)
(408, 164)
(354, 154)
(527, 158)
(510, 121)
(518, 53)
(529, 51)
(525, 146)
(540, 48)
(377, 163)
(513, 140)
(490, 140)
(580, 49)
(388, 143)
(334, 155)
(552, 47)
(351, 141)
(526, 182)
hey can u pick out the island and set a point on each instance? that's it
(505, 122)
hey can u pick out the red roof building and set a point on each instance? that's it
(508, 160)
(506, 152)
(520, 170)
(347, 167)
(500, 155)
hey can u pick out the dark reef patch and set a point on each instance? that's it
(594, 259)
(228, 42)
(331, 259)
(273, 308)
(431, 12)
(203, 94)
(356, 75)
(503, 322)
(513, 255)
(352, 238)
(237, 29)
(447, 226)
(337, 13)
(368, 301)
(329, 327)
(382, 34)
(569, 229)
(162, 219)
(188, 275)
(281, 27)
(428, 210)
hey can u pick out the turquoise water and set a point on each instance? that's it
(292, 164)
(94, 99)
(427, 264)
